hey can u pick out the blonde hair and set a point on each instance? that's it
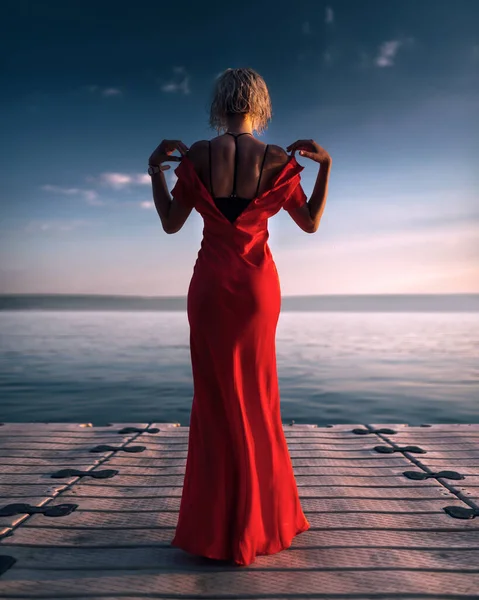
(243, 91)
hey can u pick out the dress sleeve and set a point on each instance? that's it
(296, 198)
(183, 190)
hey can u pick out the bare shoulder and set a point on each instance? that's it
(277, 155)
(197, 153)
(277, 159)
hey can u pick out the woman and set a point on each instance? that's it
(239, 495)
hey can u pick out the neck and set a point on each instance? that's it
(239, 124)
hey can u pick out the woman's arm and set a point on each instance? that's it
(172, 214)
(317, 202)
(161, 198)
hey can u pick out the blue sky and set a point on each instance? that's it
(390, 89)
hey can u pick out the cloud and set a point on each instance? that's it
(104, 91)
(119, 181)
(180, 83)
(387, 53)
(56, 225)
(329, 18)
(306, 28)
(388, 50)
(90, 196)
(143, 179)
(111, 92)
(148, 204)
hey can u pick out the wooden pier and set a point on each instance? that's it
(394, 513)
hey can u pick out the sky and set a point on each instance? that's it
(389, 89)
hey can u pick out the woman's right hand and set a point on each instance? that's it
(310, 149)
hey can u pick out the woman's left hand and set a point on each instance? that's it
(164, 150)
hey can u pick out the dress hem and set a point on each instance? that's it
(237, 562)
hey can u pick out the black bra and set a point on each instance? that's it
(233, 205)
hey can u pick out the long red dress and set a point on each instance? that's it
(239, 497)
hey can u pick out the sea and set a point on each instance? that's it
(341, 359)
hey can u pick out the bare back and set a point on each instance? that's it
(250, 154)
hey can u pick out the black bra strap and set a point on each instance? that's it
(261, 172)
(236, 136)
(233, 194)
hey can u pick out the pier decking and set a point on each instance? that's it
(394, 513)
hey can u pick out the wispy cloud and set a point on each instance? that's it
(119, 181)
(388, 51)
(111, 92)
(56, 225)
(179, 83)
(147, 204)
(306, 28)
(104, 91)
(329, 17)
(89, 195)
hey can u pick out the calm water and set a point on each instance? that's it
(333, 367)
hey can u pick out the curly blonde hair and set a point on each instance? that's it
(244, 91)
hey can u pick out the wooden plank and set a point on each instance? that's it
(110, 538)
(433, 463)
(171, 501)
(423, 489)
(82, 491)
(139, 459)
(436, 439)
(167, 516)
(53, 454)
(20, 491)
(430, 427)
(367, 453)
(446, 456)
(171, 559)
(51, 427)
(352, 480)
(205, 565)
(38, 470)
(35, 445)
(388, 475)
(57, 461)
(32, 479)
(37, 583)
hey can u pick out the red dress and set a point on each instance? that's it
(239, 495)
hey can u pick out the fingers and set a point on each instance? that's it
(306, 154)
(165, 167)
(164, 151)
(300, 145)
(173, 145)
